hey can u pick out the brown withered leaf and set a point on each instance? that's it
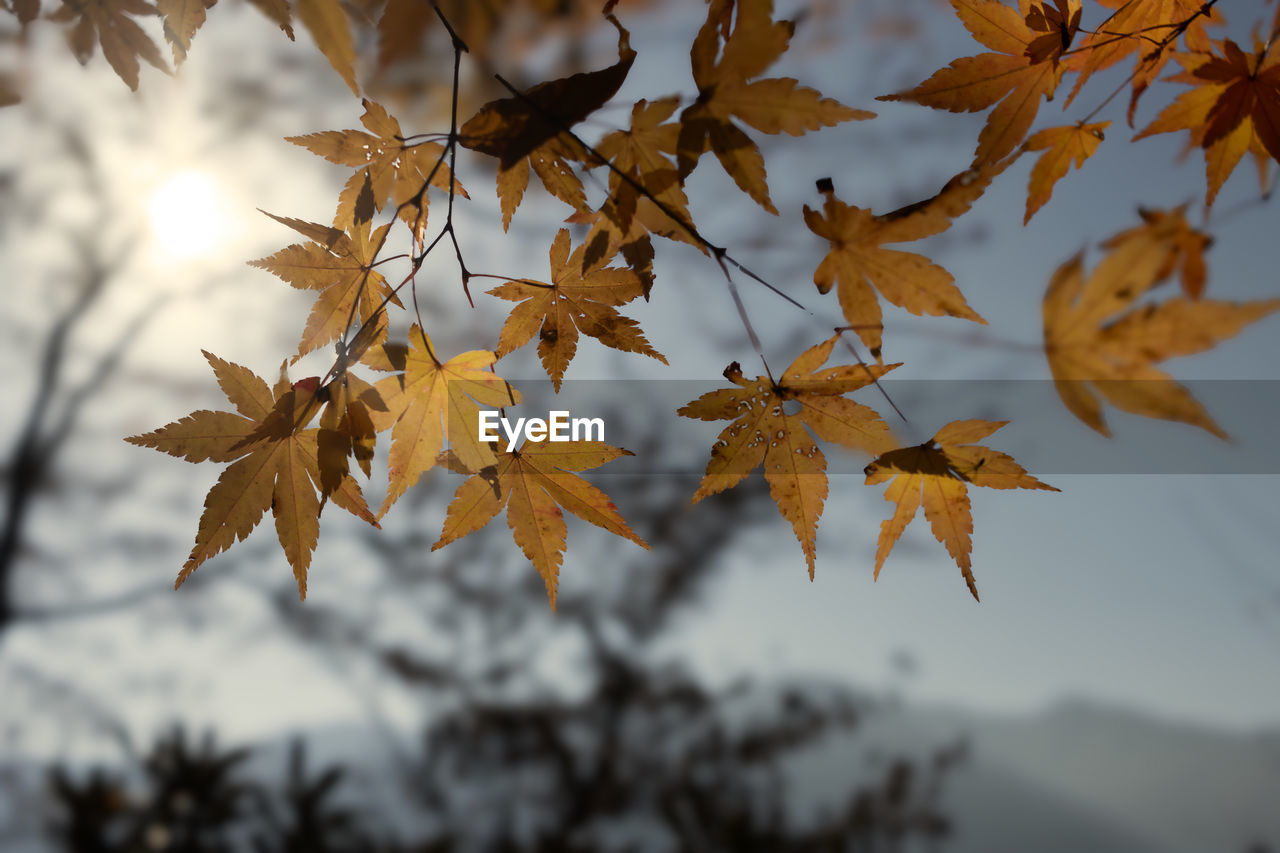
(580, 298)
(108, 22)
(1233, 107)
(535, 484)
(728, 90)
(276, 462)
(513, 128)
(764, 431)
(936, 475)
(181, 20)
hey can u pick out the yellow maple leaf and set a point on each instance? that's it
(329, 28)
(534, 483)
(431, 401)
(936, 475)
(396, 170)
(276, 462)
(765, 432)
(578, 299)
(340, 267)
(858, 260)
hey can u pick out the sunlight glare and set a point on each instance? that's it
(187, 215)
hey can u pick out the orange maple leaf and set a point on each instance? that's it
(1022, 67)
(393, 168)
(764, 431)
(431, 401)
(1061, 146)
(1148, 28)
(1096, 340)
(936, 475)
(1168, 235)
(275, 461)
(340, 266)
(1235, 104)
(534, 483)
(727, 90)
(857, 259)
(579, 299)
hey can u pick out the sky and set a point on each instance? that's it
(1155, 591)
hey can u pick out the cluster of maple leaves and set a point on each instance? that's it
(290, 447)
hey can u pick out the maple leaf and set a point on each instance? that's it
(276, 462)
(1235, 102)
(579, 299)
(1061, 146)
(1097, 341)
(530, 130)
(339, 266)
(1021, 68)
(857, 259)
(645, 192)
(181, 20)
(1170, 236)
(727, 90)
(328, 26)
(430, 402)
(936, 475)
(123, 41)
(534, 483)
(764, 431)
(1133, 28)
(394, 169)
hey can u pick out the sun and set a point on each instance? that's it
(187, 214)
